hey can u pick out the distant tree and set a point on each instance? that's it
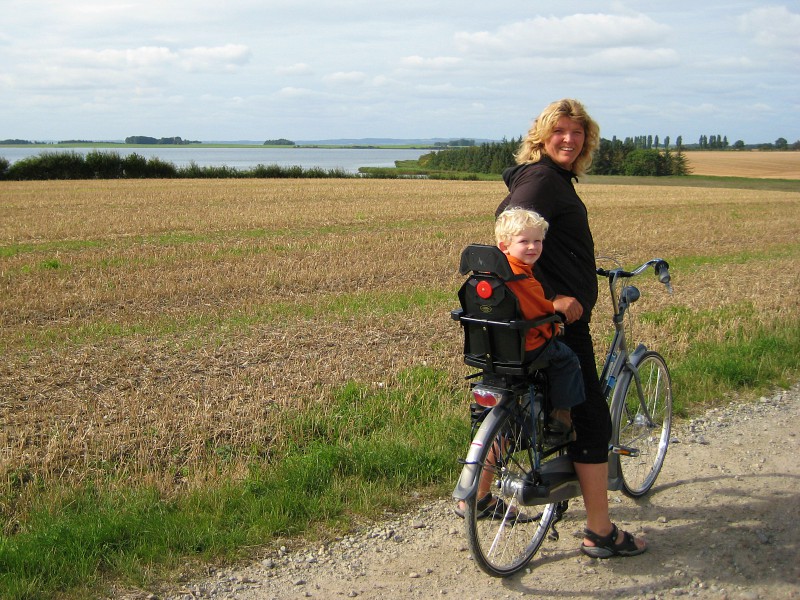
(738, 145)
(666, 142)
(279, 142)
(608, 158)
(140, 139)
(168, 141)
(642, 162)
(781, 144)
(679, 142)
(677, 163)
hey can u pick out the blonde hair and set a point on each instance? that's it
(532, 150)
(514, 221)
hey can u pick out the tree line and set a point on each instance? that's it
(644, 155)
(491, 157)
(613, 157)
(170, 141)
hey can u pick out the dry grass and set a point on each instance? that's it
(149, 327)
(765, 165)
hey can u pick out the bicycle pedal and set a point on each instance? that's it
(625, 451)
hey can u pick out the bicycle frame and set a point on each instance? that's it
(618, 358)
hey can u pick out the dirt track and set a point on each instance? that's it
(722, 521)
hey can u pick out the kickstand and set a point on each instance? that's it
(561, 508)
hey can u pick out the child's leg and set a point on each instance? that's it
(564, 374)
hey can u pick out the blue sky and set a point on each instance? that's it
(308, 70)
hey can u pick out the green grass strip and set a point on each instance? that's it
(752, 359)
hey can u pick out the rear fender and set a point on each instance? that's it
(468, 481)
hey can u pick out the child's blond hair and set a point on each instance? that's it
(514, 221)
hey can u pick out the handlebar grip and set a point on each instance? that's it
(662, 271)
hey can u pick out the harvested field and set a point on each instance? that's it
(152, 328)
(763, 165)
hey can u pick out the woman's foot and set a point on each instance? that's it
(614, 543)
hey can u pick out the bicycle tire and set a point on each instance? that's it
(631, 426)
(502, 545)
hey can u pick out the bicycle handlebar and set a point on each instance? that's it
(660, 266)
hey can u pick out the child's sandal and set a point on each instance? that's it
(606, 546)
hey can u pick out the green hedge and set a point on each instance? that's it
(110, 165)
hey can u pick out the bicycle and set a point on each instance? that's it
(509, 452)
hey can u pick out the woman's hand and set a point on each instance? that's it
(569, 307)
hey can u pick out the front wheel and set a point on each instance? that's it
(642, 422)
(503, 536)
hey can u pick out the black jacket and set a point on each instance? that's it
(567, 265)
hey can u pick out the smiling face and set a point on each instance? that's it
(525, 246)
(566, 142)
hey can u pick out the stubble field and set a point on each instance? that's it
(156, 330)
(764, 165)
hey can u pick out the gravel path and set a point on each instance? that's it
(722, 521)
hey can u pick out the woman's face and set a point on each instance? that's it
(566, 142)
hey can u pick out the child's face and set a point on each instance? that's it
(525, 246)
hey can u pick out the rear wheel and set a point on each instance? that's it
(503, 536)
(643, 424)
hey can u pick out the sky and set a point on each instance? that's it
(331, 69)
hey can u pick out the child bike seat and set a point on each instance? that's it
(494, 328)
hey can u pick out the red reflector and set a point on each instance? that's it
(485, 398)
(484, 289)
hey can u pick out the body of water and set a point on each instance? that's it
(347, 159)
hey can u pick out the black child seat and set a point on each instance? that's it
(494, 328)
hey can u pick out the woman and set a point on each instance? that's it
(557, 149)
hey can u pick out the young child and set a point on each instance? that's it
(520, 235)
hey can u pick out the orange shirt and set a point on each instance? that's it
(532, 302)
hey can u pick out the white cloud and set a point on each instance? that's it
(436, 63)
(622, 59)
(295, 69)
(202, 57)
(149, 57)
(346, 78)
(563, 35)
(295, 92)
(772, 27)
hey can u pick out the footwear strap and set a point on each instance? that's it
(602, 541)
(483, 503)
